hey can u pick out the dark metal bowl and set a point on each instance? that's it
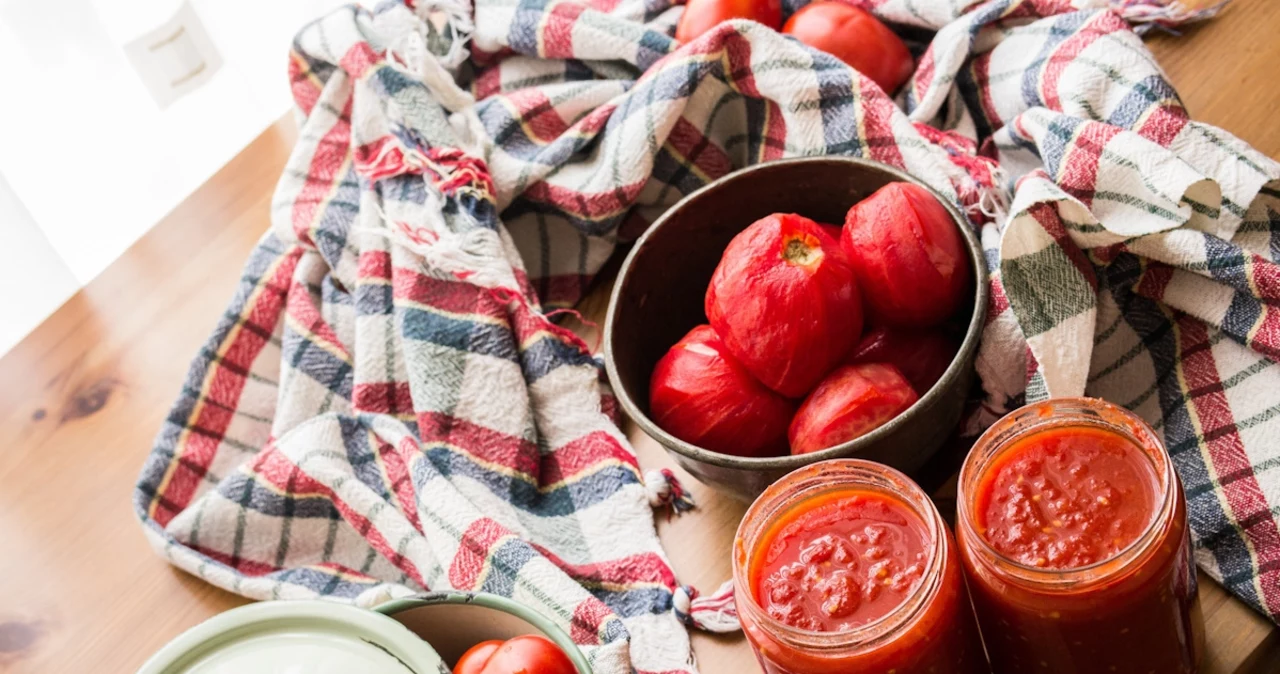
(659, 293)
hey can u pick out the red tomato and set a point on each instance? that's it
(856, 37)
(473, 661)
(909, 257)
(700, 394)
(785, 301)
(851, 402)
(701, 16)
(529, 654)
(834, 231)
(922, 357)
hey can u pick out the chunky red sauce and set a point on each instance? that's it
(847, 558)
(1067, 497)
(1097, 512)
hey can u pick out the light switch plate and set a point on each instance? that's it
(174, 58)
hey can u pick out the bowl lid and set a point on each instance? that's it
(296, 636)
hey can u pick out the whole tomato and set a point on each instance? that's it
(921, 356)
(909, 257)
(701, 16)
(473, 661)
(701, 395)
(529, 654)
(856, 37)
(851, 402)
(785, 301)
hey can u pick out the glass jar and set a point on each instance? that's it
(932, 630)
(1136, 611)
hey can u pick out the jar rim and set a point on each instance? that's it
(814, 480)
(1057, 413)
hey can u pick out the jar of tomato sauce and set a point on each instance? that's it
(1072, 529)
(846, 566)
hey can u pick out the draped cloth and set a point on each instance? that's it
(387, 405)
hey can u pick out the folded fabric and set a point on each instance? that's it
(386, 406)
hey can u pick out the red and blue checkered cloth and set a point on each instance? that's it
(385, 407)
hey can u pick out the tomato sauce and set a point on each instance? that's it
(1073, 533)
(848, 558)
(1067, 498)
(846, 578)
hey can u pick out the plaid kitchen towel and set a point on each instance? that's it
(386, 406)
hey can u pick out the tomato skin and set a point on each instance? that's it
(702, 395)
(528, 654)
(785, 301)
(701, 16)
(836, 232)
(852, 401)
(909, 257)
(856, 37)
(921, 356)
(474, 660)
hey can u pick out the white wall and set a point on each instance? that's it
(91, 160)
(33, 279)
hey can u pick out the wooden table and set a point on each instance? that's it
(83, 395)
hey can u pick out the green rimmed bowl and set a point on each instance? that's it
(455, 621)
(318, 637)
(423, 634)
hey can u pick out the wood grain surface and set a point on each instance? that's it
(82, 397)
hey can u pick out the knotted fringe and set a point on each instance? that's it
(410, 50)
(665, 491)
(1165, 15)
(985, 196)
(586, 322)
(993, 199)
(453, 21)
(715, 613)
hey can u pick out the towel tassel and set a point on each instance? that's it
(715, 613)
(665, 491)
(1165, 15)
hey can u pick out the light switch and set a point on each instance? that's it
(175, 57)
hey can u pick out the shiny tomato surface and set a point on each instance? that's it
(529, 654)
(856, 37)
(1066, 498)
(785, 302)
(849, 403)
(701, 16)
(847, 558)
(702, 395)
(922, 356)
(473, 661)
(909, 257)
